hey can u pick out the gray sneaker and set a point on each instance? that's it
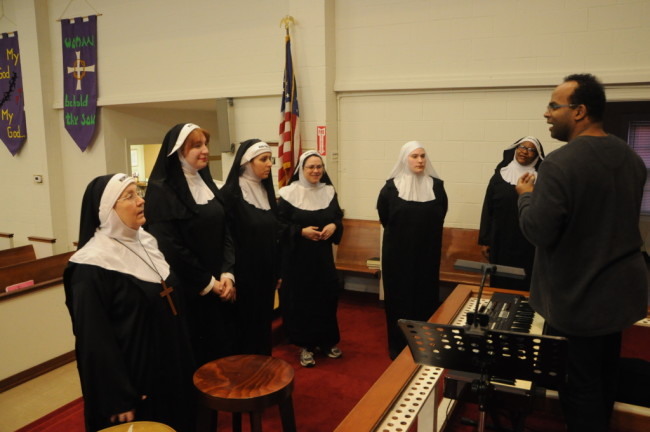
(334, 352)
(307, 358)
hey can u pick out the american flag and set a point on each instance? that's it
(289, 144)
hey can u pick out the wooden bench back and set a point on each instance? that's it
(459, 243)
(17, 255)
(360, 241)
(42, 270)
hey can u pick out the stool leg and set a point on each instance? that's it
(256, 421)
(236, 422)
(214, 421)
(286, 415)
(206, 419)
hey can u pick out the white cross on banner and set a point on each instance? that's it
(79, 42)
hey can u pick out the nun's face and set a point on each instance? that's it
(416, 160)
(526, 153)
(130, 207)
(313, 169)
(261, 165)
(195, 150)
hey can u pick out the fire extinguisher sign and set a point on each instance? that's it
(321, 140)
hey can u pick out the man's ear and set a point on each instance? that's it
(580, 112)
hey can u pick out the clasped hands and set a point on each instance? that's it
(312, 233)
(225, 289)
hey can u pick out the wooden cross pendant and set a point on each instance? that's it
(166, 293)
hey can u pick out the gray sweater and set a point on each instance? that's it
(589, 276)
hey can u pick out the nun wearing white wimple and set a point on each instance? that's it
(252, 213)
(185, 212)
(412, 206)
(309, 208)
(500, 237)
(132, 343)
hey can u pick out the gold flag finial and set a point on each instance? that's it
(286, 22)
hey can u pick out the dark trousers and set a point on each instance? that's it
(587, 399)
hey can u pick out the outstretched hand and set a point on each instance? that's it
(526, 183)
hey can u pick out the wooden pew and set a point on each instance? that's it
(17, 255)
(360, 241)
(44, 272)
(459, 243)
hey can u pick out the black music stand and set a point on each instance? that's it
(488, 353)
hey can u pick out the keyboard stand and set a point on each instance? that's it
(488, 354)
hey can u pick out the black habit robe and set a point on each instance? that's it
(309, 293)
(255, 233)
(500, 228)
(196, 242)
(410, 257)
(129, 344)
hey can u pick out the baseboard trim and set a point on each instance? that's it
(36, 371)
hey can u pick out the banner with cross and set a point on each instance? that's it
(79, 37)
(13, 128)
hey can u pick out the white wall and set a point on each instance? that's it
(34, 328)
(467, 78)
(464, 132)
(416, 44)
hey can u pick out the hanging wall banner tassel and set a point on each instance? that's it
(13, 128)
(80, 78)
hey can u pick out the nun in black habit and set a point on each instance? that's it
(252, 213)
(500, 237)
(412, 206)
(185, 212)
(309, 294)
(132, 343)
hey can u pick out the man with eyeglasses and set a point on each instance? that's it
(589, 280)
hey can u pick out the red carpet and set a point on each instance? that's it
(69, 417)
(324, 394)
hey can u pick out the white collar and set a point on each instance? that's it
(114, 244)
(252, 189)
(199, 190)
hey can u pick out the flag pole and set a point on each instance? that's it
(289, 140)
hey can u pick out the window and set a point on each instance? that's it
(639, 139)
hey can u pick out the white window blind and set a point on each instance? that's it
(639, 139)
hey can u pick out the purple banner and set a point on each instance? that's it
(13, 128)
(79, 37)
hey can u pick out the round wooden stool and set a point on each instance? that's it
(245, 384)
(139, 426)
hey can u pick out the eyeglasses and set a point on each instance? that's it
(131, 196)
(527, 149)
(314, 167)
(553, 106)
